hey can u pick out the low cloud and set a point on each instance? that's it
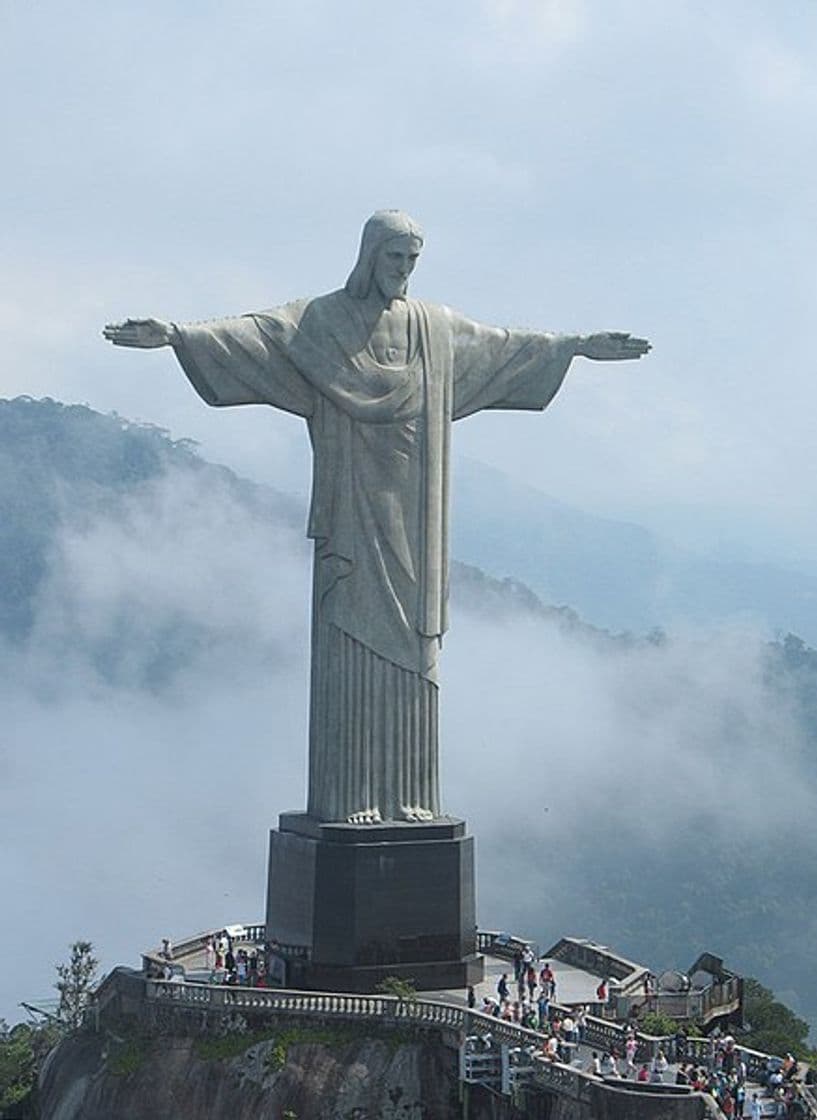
(155, 726)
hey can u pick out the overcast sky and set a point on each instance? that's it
(576, 164)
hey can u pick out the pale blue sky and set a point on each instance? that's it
(576, 164)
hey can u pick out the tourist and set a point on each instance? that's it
(680, 1044)
(643, 1073)
(530, 977)
(581, 1023)
(547, 981)
(630, 1047)
(520, 985)
(543, 1008)
(660, 1062)
(502, 989)
(594, 1065)
(609, 1068)
(756, 1107)
(472, 998)
(210, 954)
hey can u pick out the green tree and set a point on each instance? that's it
(22, 1048)
(657, 1023)
(771, 1026)
(403, 989)
(75, 982)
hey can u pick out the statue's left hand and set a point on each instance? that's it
(612, 346)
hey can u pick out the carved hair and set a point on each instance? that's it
(380, 228)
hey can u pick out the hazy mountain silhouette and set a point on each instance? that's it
(615, 574)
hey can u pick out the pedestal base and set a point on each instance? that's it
(363, 902)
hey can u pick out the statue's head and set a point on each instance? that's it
(389, 248)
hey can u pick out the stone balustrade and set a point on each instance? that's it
(457, 1021)
(197, 1007)
(599, 960)
(497, 944)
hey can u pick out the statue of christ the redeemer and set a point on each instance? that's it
(378, 377)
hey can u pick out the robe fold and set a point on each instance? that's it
(378, 515)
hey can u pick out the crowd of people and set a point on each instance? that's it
(226, 962)
(528, 1000)
(246, 969)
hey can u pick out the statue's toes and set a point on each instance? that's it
(365, 816)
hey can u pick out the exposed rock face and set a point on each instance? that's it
(91, 1078)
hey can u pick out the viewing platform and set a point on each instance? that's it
(506, 1058)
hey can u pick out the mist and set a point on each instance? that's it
(155, 725)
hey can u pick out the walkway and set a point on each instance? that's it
(573, 986)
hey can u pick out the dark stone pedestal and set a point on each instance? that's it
(370, 901)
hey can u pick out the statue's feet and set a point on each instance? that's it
(415, 813)
(365, 816)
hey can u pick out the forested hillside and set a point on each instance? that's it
(656, 792)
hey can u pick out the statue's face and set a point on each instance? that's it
(394, 264)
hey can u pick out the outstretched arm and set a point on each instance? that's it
(522, 369)
(228, 361)
(146, 334)
(611, 346)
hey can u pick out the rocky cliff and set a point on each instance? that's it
(287, 1077)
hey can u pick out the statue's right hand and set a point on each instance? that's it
(144, 333)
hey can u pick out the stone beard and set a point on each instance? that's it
(380, 435)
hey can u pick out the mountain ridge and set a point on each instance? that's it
(616, 573)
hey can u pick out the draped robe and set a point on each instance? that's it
(378, 516)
